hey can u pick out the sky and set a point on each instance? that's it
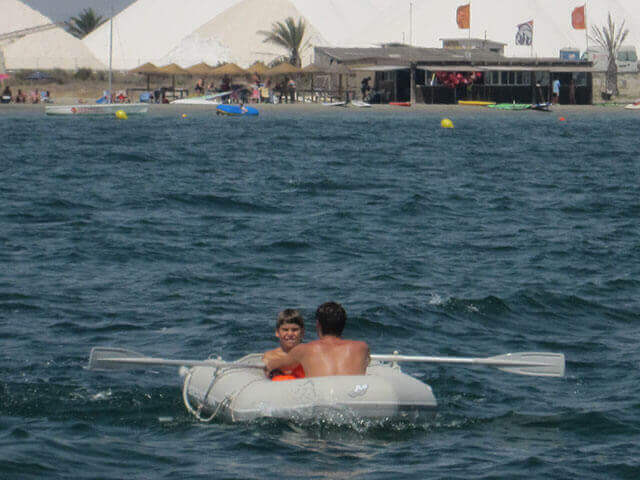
(62, 10)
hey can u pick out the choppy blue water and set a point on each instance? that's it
(183, 237)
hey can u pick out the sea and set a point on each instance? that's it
(180, 234)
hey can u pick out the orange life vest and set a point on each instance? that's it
(296, 373)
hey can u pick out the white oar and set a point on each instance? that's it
(108, 358)
(525, 363)
(541, 364)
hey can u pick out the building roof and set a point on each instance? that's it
(396, 57)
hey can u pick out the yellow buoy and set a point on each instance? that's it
(184, 115)
(446, 123)
(121, 115)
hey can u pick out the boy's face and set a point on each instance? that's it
(290, 335)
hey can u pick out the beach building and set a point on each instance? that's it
(403, 73)
(31, 41)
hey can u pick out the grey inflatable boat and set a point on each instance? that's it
(244, 393)
(240, 391)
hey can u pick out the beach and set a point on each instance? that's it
(304, 108)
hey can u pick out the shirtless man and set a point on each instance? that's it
(290, 331)
(330, 354)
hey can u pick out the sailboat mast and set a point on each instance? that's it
(110, 53)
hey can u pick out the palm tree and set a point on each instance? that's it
(610, 38)
(289, 35)
(85, 23)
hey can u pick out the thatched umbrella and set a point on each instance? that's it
(258, 68)
(284, 68)
(173, 70)
(230, 70)
(147, 69)
(313, 68)
(202, 69)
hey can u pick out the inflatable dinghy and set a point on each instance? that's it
(245, 394)
(240, 391)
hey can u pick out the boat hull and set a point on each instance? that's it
(206, 100)
(476, 103)
(245, 394)
(235, 110)
(510, 106)
(96, 109)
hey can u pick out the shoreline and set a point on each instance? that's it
(319, 107)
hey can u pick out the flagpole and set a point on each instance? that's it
(533, 26)
(586, 25)
(410, 23)
(469, 44)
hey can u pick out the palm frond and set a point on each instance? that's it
(288, 35)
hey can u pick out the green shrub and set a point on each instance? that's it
(83, 74)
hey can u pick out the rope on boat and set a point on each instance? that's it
(217, 374)
(198, 413)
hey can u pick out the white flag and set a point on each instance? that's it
(524, 36)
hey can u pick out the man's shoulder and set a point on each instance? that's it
(360, 344)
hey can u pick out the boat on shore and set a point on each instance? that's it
(214, 99)
(98, 109)
(541, 107)
(633, 106)
(236, 110)
(476, 103)
(103, 106)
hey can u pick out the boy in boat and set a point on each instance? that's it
(290, 331)
(330, 354)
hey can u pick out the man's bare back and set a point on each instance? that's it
(330, 354)
(324, 357)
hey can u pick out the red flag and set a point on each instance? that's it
(578, 20)
(463, 16)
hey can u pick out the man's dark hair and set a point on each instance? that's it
(332, 318)
(290, 315)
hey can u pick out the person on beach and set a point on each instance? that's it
(556, 90)
(365, 87)
(330, 354)
(6, 95)
(291, 86)
(199, 88)
(290, 332)
(226, 84)
(21, 97)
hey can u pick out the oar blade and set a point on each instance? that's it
(539, 364)
(99, 358)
